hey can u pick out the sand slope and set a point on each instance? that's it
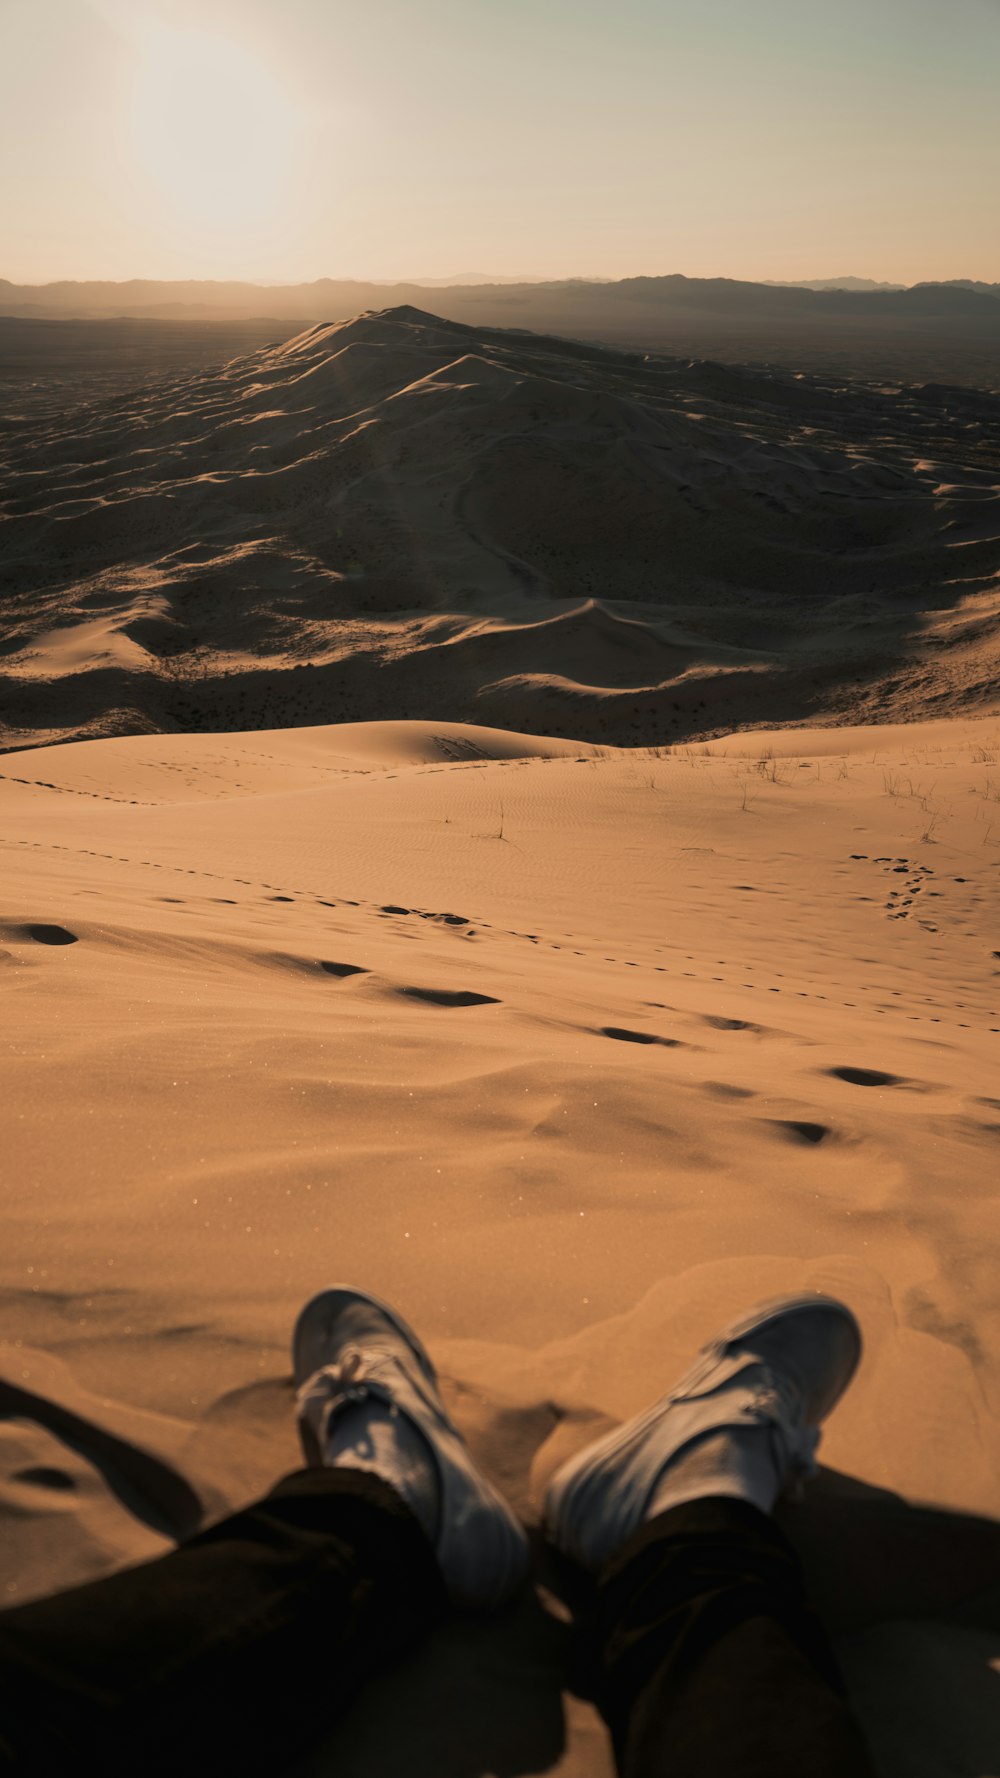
(399, 515)
(567, 1051)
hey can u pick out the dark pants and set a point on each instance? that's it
(224, 1655)
(712, 1664)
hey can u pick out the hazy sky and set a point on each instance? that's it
(292, 139)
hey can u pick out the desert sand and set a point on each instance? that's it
(399, 516)
(570, 1051)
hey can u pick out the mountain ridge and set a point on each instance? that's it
(79, 299)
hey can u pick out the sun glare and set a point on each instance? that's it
(214, 132)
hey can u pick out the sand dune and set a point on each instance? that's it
(341, 937)
(565, 1049)
(398, 515)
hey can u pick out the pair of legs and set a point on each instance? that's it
(236, 1650)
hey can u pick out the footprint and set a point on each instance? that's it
(800, 1131)
(342, 969)
(866, 1077)
(42, 1476)
(623, 1036)
(450, 997)
(50, 935)
(720, 1024)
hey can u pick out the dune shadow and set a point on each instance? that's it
(870, 1556)
(490, 1697)
(153, 1490)
(481, 1696)
(907, 1589)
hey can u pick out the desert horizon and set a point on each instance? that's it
(499, 808)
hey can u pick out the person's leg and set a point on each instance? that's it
(712, 1662)
(230, 1652)
(234, 1651)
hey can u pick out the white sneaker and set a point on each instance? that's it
(782, 1366)
(347, 1347)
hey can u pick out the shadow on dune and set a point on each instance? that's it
(481, 1696)
(500, 1696)
(144, 1481)
(870, 1556)
(912, 1594)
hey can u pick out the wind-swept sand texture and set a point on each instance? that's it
(402, 516)
(568, 1052)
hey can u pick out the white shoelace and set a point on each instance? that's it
(336, 1385)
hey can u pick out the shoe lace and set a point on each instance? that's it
(778, 1400)
(335, 1384)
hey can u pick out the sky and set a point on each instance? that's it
(284, 140)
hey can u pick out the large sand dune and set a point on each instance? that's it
(569, 1052)
(402, 516)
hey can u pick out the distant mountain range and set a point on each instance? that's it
(974, 284)
(847, 283)
(578, 298)
(872, 284)
(944, 333)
